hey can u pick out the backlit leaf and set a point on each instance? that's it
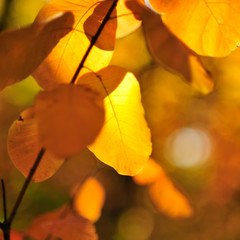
(69, 118)
(22, 50)
(173, 54)
(124, 142)
(61, 64)
(23, 148)
(63, 225)
(168, 199)
(170, 52)
(209, 27)
(149, 174)
(127, 22)
(89, 199)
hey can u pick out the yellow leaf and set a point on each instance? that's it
(209, 27)
(149, 174)
(168, 199)
(124, 142)
(61, 64)
(22, 50)
(89, 199)
(127, 22)
(23, 148)
(172, 53)
(69, 118)
(62, 224)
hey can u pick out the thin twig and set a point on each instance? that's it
(25, 186)
(8, 222)
(94, 40)
(4, 200)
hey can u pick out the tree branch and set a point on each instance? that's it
(4, 200)
(25, 186)
(6, 225)
(94, 40)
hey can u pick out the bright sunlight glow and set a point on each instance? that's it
(188, 147)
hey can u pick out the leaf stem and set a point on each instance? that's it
(25, 186)
(94, 40)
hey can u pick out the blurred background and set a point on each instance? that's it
(196, 140)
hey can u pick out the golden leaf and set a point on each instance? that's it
(209, 27)
(89, 199)
(61, 64)
(168, 199)
(124, 142)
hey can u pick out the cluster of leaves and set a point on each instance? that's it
(88, 103)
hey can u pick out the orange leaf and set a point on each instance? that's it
(22, 50)
(124, 142)
(69, 118)
(23, 148)
(89, 199)
(65, 226)
(172, 53)
(149, 174)
(168, 199)
(209, 27)
(61, 64)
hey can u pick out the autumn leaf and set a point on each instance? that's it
(69, 118)
(124, 142)
(149, 174)
(170, 52)
(208, 27)
(23, 148)
(165, 196)
(63, 225)
(168, 199)
(127, 22)
(22, 50)
(61, 64)
(89, 198)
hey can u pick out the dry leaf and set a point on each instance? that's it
(69, 118)
(22, 50)
(23, 148)
(124, 142)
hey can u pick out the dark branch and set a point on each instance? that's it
(4, 200)
(25, 186)
(94, 40)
